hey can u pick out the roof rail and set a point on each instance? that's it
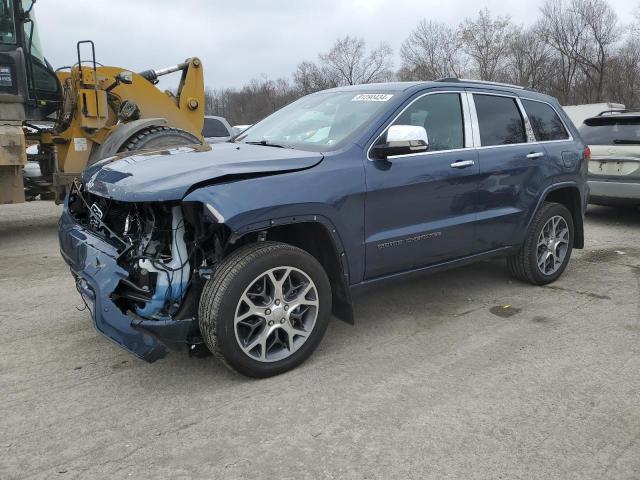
(482, 82)
(613, 112)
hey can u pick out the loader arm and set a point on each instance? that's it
(142, 100)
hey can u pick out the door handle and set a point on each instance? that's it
(463, 164)
(535, 155)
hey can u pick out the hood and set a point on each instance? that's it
(169, 174)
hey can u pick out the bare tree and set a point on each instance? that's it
(529, 60)
(635, 26)
(603, 33)
(577, 51)
(566, 33)
(486, 40)
(624, 74)
(431, 52)
(309, 78)
(347, 63)
(252, 102)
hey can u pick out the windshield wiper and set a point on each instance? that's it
(618, 141)
(264, 143)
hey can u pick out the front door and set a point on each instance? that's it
(420, 208)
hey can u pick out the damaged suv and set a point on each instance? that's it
(245, 248)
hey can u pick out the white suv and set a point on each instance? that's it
(614, 168)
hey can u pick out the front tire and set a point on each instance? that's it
(266, 308)
(547, 249)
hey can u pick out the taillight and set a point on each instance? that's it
(587, 153)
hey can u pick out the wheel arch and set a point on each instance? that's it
(567, 194)
(315, 235)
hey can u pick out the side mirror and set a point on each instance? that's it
(401, 140)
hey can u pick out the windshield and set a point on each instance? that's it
(318, 122)
(32, 27)
(7, 23)
(611, 130)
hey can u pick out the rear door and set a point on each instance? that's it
(420, 207)
(512, 169)
(563, 153)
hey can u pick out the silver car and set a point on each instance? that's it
(614, 167)
(217, 129)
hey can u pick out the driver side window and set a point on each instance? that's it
(442, 117)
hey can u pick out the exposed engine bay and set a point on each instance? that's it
(167, 248)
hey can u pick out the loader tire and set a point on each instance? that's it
(157, 138)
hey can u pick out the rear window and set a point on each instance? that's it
(545, 122)
(500, 120)
(611, 130)
(214, 128)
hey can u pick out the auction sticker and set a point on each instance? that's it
(80, 144)
(372, 97)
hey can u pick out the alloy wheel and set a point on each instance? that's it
(276, 314)
(553, 244)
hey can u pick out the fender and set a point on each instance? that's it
(338, 272)
(579, 225)
(242, 222)
(342, 305)
(124, 132)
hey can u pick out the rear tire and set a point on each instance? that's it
(270, 279)
(545, 254)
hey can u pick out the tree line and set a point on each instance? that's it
(577, 50)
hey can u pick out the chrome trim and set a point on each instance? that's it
(463, 164)
(424, 153)
(615, 158)
(467, 119)
(474, 120)
(466, 126)
(531, 137)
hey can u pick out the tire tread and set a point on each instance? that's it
(133, 143)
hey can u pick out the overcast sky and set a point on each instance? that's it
(244, 39)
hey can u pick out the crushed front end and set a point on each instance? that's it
(140, 268)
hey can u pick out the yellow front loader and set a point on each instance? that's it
(55, 123)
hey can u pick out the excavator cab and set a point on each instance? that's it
(26, 77)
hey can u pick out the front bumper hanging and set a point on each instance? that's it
(93, 263)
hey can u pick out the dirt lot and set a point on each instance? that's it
(436, 380)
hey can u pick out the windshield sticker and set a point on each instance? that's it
(372, 97)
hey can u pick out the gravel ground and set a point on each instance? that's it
(437, 379)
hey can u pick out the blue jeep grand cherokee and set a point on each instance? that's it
(247, 247)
